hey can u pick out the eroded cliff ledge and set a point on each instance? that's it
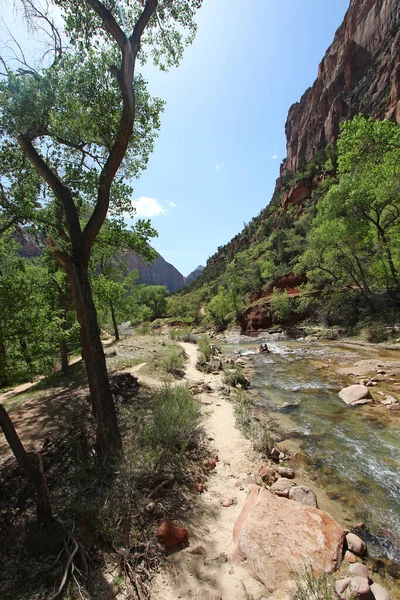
(360, 73)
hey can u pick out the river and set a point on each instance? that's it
(352, 453)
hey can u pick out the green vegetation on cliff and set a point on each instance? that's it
(330, 237)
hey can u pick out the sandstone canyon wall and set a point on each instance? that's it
(360, 73)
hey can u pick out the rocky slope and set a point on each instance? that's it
(159, 272)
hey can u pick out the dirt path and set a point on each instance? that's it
(213, 575)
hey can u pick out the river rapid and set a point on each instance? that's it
(351, 454)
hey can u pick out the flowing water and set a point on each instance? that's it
(355, 451)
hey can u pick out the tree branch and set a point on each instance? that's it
(62, 192)
(109, 22)
(129, 49)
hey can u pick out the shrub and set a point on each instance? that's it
(260, 437)
(174, 419)
(235, 378)
(204, 344)
(377, 333)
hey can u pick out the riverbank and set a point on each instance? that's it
(312, 366)
(207, 498)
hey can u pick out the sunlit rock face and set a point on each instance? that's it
(360, 73)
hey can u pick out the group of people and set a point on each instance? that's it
(263, 348)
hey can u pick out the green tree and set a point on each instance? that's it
(354, 237)
(75, 131)
(219, 308)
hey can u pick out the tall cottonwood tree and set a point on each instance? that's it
(74, 133)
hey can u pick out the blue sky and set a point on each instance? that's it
(222, 138)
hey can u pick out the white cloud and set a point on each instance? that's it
(219, 166)
(148, 207)
(274, 156)
(172, 204)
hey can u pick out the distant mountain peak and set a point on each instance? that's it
(193, 275)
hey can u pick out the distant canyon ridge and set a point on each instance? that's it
(159, 272)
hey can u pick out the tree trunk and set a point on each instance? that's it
(25, 354)
(63, 356)
(3, 362)
(114, 320)
(108, 437)
(31, 464)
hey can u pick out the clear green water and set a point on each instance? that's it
(355, 452)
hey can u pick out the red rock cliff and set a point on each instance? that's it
(360, 73)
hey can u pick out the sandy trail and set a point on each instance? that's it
(214, 576)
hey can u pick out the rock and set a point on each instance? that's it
(226, 501)
(282, 486)
(353, 587)
(379, 592)
(171, 535)
(355, 395)
(349, 557)
(360, 570)
(391, 399)
(221, 558)
(268, 474)
(275, 536)
(285, 472)
(198, 551)
(355, 544)
(394, 407)
(210, 464)
(303, 495)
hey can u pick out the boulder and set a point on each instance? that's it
(285, 472)
(355, 395)
(355, 544)
(349, 557)
(359, 570)
(379, 592)
(282, 486)
(303, 495)
(268, 474)
(274, 537)
(353, 587)
(171, 535)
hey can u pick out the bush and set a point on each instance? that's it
(377, 333)
(260, 437)
(171, 360)
(235, 378)
(204, 344)
(174, 419)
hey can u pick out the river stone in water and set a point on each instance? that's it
(275, 537)
(355, 395)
